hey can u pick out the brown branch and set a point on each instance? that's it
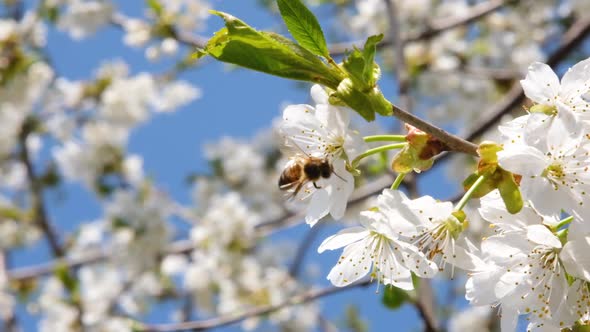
(259, 311)
(425, 302)
(185, 246)
(572, 38)
(195, 41)
(36, 188)
(453, 142)
(307, 241)
(435, 28)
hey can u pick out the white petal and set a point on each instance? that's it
(535, 131)
(542, 235)
(505, 248)
(543, 195)
(298, 113)
(343, 238)
(522, 159)
(401, 218)
(575, 258)
(494, 210)
(318, 207)
(508, 283)
(415, 260)
(340, 188)
(564, 133)
(319, 95)
(479, 289)
(541, 84)
(463, 258)
(576, 80)
(429, 210)
(334, 119)
(354, 145)
(352, 265)
(513, 130)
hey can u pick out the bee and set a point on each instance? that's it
(303, 169)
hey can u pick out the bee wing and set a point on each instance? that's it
(290, 148)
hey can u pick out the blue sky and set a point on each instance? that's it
(237, 103)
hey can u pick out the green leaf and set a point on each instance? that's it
(394, 297)
(304, 26)
(369, 55)
(361, 66)
(364, 102)
(270, 53)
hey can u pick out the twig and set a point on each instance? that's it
(453, 142)
(259, 311)
(118, 20)
(425, 302)
(185, 246)
(10, 321)
(572, 38)
(37, 192)
(437, 27)
(297, 263)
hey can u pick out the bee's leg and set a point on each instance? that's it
(316, 186)
(299, 186)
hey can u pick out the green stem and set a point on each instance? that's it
(562, 223)
(376, 150)
(398, 180)
(390, 138)
(469, 193)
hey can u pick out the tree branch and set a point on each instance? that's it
(195, 41)
(185, 246)
(453, 142)
(572, 38)
(37, 191)
(259, 311)
(435, 28)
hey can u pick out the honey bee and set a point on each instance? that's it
(302, 170)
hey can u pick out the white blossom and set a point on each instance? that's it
(525, 268)
(84, 17)
(378, 248)
(322, 133)
(554, 169)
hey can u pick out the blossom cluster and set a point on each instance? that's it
(534, 263)
(212, 252)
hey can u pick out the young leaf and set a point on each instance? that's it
(270, 53)
(304, 26)
(369, 54)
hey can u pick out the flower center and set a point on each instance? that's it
(434, 241)
(554, 171)
(545, 109)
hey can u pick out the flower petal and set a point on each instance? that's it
(352, 265)
(575, 81)
(575, 258)
(343, 238)
(340, 188)
(542, 235)
(541, 84)
(319, 207)
(522, 159)
(319, 95)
